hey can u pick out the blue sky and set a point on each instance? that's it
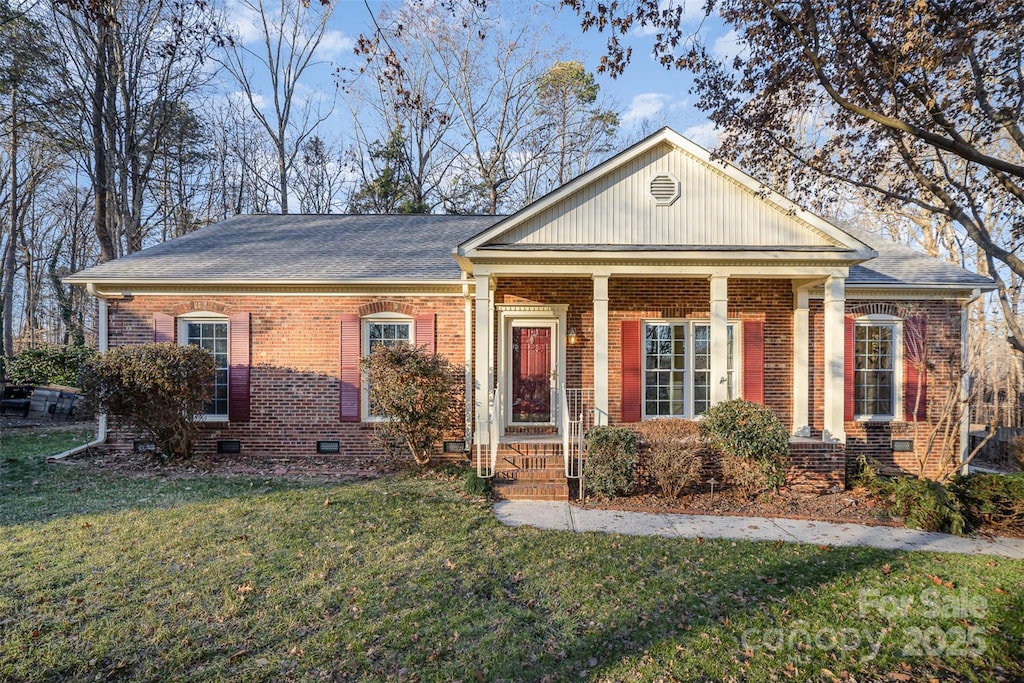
(647, 95)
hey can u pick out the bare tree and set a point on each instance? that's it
(398, 88)
(289, 34)
(319, 177)
(130, 64)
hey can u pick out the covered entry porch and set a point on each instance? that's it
(557, 355)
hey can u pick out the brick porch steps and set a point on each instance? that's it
(530, 470)
(532, 491)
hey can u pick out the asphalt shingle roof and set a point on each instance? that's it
(330, 248)
(900, 266)
(304, 248)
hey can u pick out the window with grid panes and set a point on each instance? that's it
(212, 335)
(677, 368)
(874, 369)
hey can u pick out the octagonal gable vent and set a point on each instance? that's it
(664, 189)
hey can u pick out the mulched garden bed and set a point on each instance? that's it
(855, 505)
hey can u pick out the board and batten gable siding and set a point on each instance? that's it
(618, 209)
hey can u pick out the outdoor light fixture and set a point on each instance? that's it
(572, 339)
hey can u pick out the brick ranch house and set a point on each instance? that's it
(656, 284)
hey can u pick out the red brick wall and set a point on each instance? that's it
(874, 439)
(770, 301)
(295, 358)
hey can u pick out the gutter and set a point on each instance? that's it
(101, 424)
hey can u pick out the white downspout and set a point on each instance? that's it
(101, 345)
(965, 379)
(468, 336)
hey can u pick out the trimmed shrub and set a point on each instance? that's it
(476, 486)
(994, 502)
(49, 365)
(928, 505)
(675, 453)
(752, 444)
(160, 390)
(416, 392)
(611, 460)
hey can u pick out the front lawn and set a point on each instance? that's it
(190, 578)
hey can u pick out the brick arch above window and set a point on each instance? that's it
(879, 308)
(387, 306)
(201, 306)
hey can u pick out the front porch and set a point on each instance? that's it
(546, 462)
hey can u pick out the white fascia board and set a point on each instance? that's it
(254, 282)
(766, 256)
(635, 270)
(934, 291)
(121, 287)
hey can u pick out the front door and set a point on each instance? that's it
(531, 373)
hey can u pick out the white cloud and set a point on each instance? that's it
(643, 107)
(704, 134)
(243, 21)
(333, 45)
(728, 46)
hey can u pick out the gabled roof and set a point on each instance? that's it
(621, 206)
(414, 251)
(298, 249)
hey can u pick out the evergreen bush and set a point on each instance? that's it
(611, 461)
(928, 505)
(160, 390)
(49, 365)
(416, 394)
(751, 442)
(994, 502)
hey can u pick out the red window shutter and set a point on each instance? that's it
(238, 370)
(163, 327)
(849, 352)
(349, 390)
(424, 325)
(915, 376)
(632, 356)
(753, 361)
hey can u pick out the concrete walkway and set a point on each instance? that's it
(565, 517)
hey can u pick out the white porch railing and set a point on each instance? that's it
(487, 460)
(577, 417)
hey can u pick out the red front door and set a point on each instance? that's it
(531, 374)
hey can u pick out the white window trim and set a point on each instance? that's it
(200, 316)
(897, 361)
(688, 413)
(364, 350)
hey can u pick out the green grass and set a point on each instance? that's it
(408, 578)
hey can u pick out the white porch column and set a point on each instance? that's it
(482, 341)
(600, 348)
(835, 352)
(719, 338)
(801, 360)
